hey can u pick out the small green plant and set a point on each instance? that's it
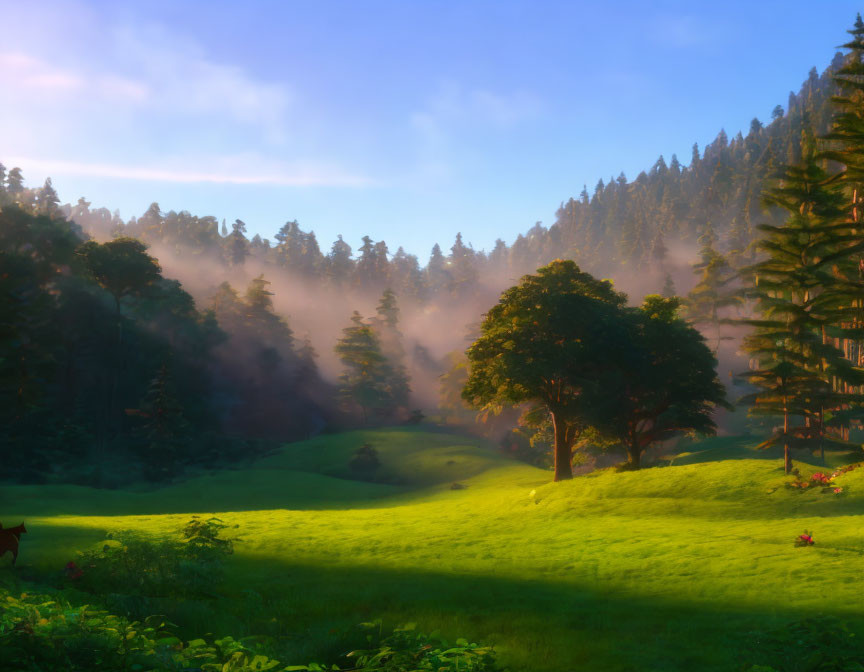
(41, 632)
(407, 649)
(131, 564)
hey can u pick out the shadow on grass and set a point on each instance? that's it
(311, 612)
(535, 625)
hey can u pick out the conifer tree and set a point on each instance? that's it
(797, 305)
(47, 198)
(165, 431)
(15, 181)
(712, 293)
(238, 246)
(387, 328)
(364, 383)
(437, 275)
(668, 288)
(340, 265)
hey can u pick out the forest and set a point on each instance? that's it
(621, 422)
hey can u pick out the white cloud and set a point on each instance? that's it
(23, 74)
(92, 94)
(682, 31)
(454, 105)
(243, 170)
(449, 120)
(182, 78)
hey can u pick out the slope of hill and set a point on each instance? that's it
(681, 563)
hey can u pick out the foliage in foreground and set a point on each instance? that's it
(42, 632)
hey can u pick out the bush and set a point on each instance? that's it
(407, 649)
(132, 564)
(38, 632)
(41, 632)
(365, 460)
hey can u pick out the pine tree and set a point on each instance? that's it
(15, 181)
(659, 251)
(238, 246)
(712, 293)
(387, 329)
(340, 265)
(668, 288)
(797, 302)
(166, 433)
(437, 275)
(47, 198)
(364, 382)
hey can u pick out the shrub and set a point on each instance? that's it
(41, 632)
(132, 564)
(407, 649)
(365, 460)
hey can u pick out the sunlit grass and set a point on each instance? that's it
(664, 569)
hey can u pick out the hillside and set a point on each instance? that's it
(684, 562)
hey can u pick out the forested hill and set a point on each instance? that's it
(633, 223)
(624, 224)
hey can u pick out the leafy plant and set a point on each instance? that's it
(42, 632)
(406, 649)
(129, 563)
(820, 644)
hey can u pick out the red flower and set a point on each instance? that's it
(73, 571)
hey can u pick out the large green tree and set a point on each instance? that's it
(666, 384)
(546, 344)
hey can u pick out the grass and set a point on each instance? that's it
(665, 569)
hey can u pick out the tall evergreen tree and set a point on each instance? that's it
(364, 383)
(238, 246)
(340, 265)
(712, 293)
(797, 307)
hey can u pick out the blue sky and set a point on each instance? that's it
(407, 121)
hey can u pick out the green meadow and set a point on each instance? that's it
(669, 568)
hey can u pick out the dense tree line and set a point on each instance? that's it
(100, 350)
(621, 222)
(807, 287)
(103, 358)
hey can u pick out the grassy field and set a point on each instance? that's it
(669, 568)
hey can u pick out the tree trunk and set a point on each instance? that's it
(563, 450)
(634, 455)
(787, 455)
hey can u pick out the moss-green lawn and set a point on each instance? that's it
(669, 568)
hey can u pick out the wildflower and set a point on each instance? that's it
(805, 539)
(73, 571)
(837, 491)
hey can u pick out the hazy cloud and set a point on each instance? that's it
(228, 170)
(681, 31)
(455, 105)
